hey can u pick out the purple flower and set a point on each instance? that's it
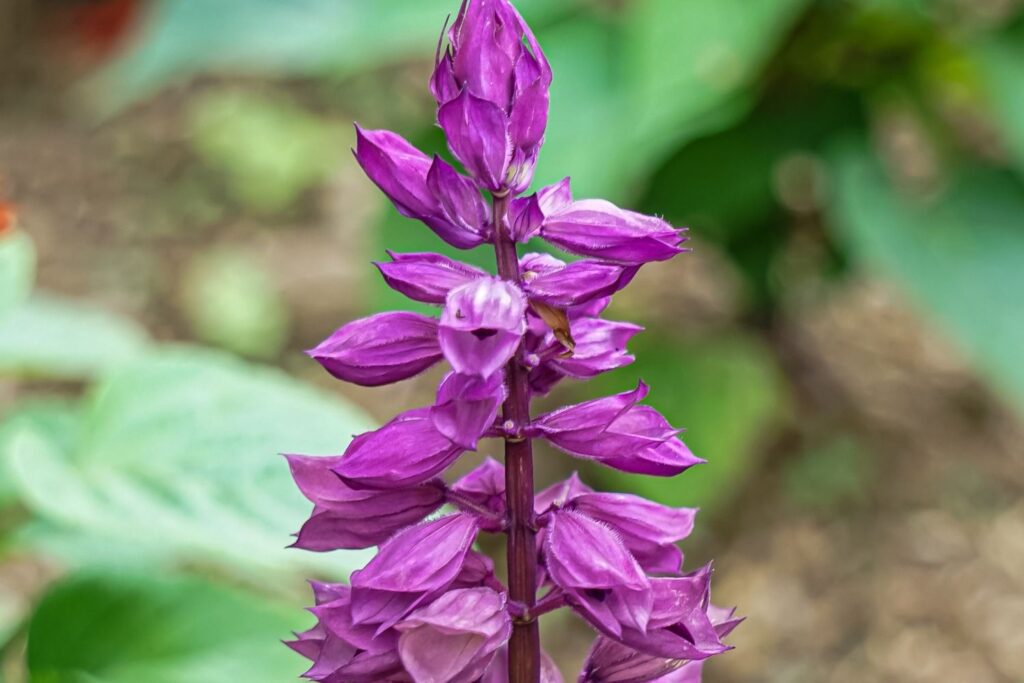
(619, 433)
(497, 672)
(422, 188)
(482, 325)
(599, 576)
(492, 89)
(600, 346)
(467, 406)
(407, 451)
(426, 277)
(428, 608)
(414, 566)
(454, 639)
(594, 227)
(382, 349)
(483, 489)
(648, 530)
(563, 285)
(341, 650)
(610, 661)
(344, 517)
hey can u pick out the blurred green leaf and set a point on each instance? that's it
(686, 60)
(17, 269)
(51, 337)
(959, 257)
(827, 476)
(55, 420)
(232, 303)
(127, 629)
(179, 459)
(269, 149)
(727, 392)
(302, 37)
(1000, 58)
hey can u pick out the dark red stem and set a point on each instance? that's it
(524, 647)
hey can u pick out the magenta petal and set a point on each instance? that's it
(427, 277)
(467, 406)
(482, 326)
(529, 116)
(578, 283)
(484, 487)
(418, 562)
(407, 451)
(381, 349)
(497, 672)
(604, 582)
(594, 227)
(601, 345)
(460, 198)
(612, 662)
(560, 494)
(349, 518)
(477, 133)
(525, 218)
(453, 639)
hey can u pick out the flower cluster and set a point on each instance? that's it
(428, 607)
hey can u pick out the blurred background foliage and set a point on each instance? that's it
(179, 211)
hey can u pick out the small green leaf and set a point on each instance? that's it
(232, 303)
(958, 256)
(179, 459)
(17, 269)
(127, 629)
(51, 337)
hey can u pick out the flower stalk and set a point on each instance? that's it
(521, 544)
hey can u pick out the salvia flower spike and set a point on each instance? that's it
(428, 608)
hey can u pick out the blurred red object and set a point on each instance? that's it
(95, 28)
(8, 217)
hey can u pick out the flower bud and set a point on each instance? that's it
(426, 277)
(405, 452)
(416, 564)
(454, 639)
(594, 227)
(467, 406)
(347, 518)
(381, 349)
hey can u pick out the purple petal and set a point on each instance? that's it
(427, 277)
(453, 639)
(381, 349)
(477, 133)
(484, 487)
(613, 662)
(596, 414)
(497, 672)
(603, 581)
(525, 218)
(530, 116)
(417, 562)
(400, 171)
(594, 227)
(349, 518)
(647, 529)
(467, 406)
(577, 283)
(485, 52)
(560, 494)
(460, 198)
(482, 326)
(600, 347)
(407, 451)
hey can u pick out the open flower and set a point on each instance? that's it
(482, 325)
(618, 432)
